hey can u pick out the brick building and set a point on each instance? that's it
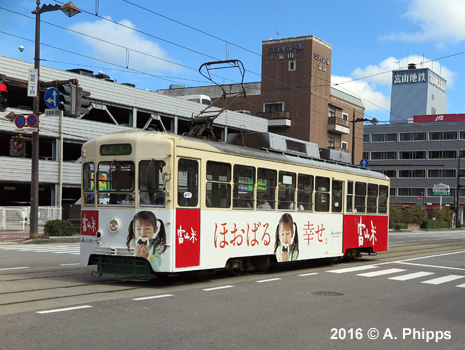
(295, 95)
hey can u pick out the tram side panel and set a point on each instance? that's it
(208, 240)
(366, 233)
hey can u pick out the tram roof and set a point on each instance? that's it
(209, 145)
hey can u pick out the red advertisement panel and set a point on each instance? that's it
(438, 118)
(361, 231)
(187, 237)
(89, 222)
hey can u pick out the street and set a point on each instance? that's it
(410, 297)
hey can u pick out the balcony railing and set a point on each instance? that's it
(276, 119)
(338, 125)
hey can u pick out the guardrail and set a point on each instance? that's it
(17, 218)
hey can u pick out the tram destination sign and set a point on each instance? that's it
(441, 190)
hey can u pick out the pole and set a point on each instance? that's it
(353, 138)
(34, 216)
(457, 193)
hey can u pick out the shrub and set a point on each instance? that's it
(435, 224)
(400, 226)
(59, 228)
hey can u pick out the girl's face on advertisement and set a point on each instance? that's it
(285, 233)
(144, 229)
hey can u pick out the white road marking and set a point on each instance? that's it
(268, 280)
(380, 273)
(308, 274)
(14, 268)
(411, 276)
(217, 288)
(353, 269)
(64, 309)
(443, 279)
(153, 297)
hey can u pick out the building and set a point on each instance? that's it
(418, 157)
(114, 107)
(295, 95)
(416, 91)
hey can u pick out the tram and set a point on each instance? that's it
(160, 203)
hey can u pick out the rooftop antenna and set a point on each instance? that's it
(277, 27)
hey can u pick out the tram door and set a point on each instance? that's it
(187, 234)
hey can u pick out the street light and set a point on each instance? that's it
(373, 121)
(70, 10)
(457, 191)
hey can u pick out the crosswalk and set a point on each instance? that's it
(427, 277)
(71, 248)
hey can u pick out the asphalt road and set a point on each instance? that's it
(412, 297)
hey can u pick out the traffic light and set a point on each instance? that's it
(82, 102)
(17, 147)
(68, 99)
(3, 96)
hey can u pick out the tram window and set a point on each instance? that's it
(151, 183)
(286, 194)
(244, 182)
(350, 196)
(372, 198)
(116, 183)
(218, 185)
(382, 201)
(322, 194)
(88, 183)
(336, 204)
(188, 183)
(360, 197)
(305, 192)
(266, 188)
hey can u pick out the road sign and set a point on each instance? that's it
(53, 112)
(32, 121)
(364, 163)
(20, 121)
(32, 83)
(441, 190)
(51, 97)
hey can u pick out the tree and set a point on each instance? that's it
(396, 214)
(416, 214)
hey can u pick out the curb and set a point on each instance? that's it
(51, 239)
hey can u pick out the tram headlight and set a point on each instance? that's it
(115, 225)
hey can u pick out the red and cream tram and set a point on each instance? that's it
(157, 203)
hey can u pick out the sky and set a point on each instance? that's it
(154, 44)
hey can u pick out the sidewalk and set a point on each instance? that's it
(22, 237)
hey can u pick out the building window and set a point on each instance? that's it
(345, 116)
(331, 142)
(366, 138)
(410, 192)
(462, 135)
(383, 155)
(442, 135)
(274, 107)
(291, 65)
(446, 154)
(412, 136)
(332, 112)
(344, 145)
(391, 137)
(441, 173)
(412, 155)
(365, 155)
(412, 173)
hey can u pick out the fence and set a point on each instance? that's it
(17, 218)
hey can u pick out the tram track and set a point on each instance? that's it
(41, 289)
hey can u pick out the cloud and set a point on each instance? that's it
(123, 35)
(372, 100)
(439, 21)
(373, 83)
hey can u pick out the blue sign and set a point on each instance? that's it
(51, 98)
(32, 121)
(364, 163)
